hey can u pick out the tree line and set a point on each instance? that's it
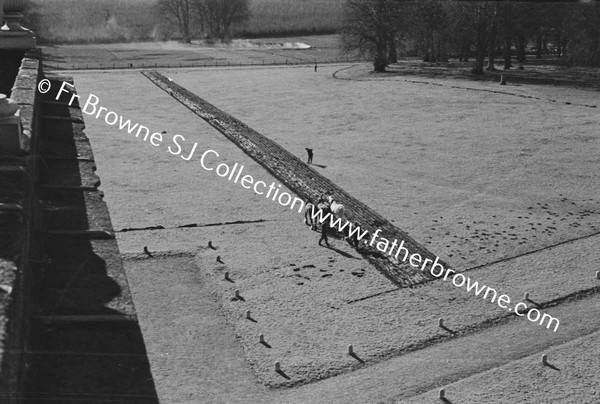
(211, 19)
(503, 30)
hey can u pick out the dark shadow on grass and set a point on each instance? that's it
(552, 367)
(283, 374)
(343, 253)
(318, 165)
(355, 356)
(448, 329)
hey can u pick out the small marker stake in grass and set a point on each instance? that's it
(261, 339)
(597, 274)
(248, 316)
(441, 322)
(526, 296)
(544, 359)
(237, 294)
(442, 394)
(277, 366)
(227, 276)
(210, 244)
(350, 350)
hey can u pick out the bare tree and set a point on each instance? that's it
(433, 27)
(506, 24)
(430, 29)
(480, 15)
(218, 16)
(460, 31)
(492, 36)
(371, 27)
(179, 12)
(583, 45)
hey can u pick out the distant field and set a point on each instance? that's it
(268, 51)
(106, 21)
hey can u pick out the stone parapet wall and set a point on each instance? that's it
(64, 295)
(18, 219)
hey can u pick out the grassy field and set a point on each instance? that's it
(109, 21)
(500, 184)
(527, 381)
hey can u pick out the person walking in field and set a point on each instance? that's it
(324, 228)
(308, 215)
(310, 155)
(324, 206)
(353, 238)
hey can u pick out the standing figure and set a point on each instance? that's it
(324, 228)
(309, 211)
(352, 239)
(315, 67)
(324, 206)
(310, 155)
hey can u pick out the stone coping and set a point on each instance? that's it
(24, 92)
(17, 215)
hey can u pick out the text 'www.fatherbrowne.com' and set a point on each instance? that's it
(436, 269)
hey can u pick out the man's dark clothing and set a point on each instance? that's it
(310, 155)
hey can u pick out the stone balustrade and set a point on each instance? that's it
(12, 34)
(15, 128)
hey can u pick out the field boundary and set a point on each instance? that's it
(215, 63)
